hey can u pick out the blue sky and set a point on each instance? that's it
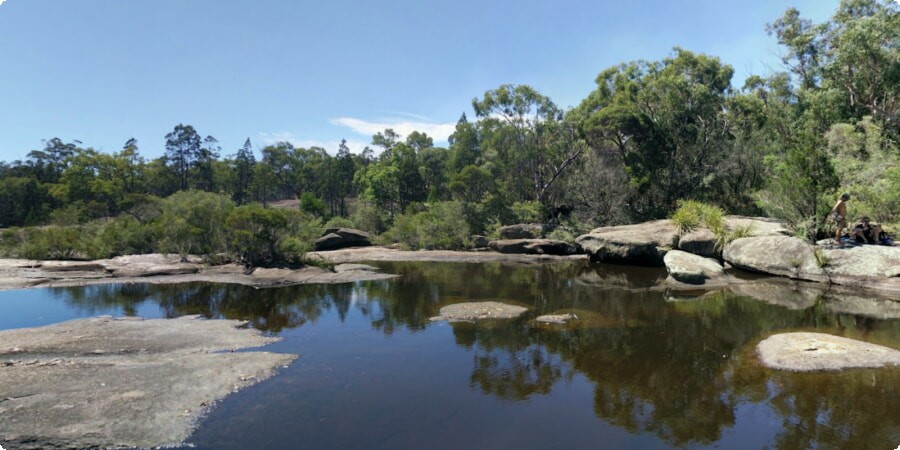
(314, 72)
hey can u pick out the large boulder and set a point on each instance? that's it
(523, 231)
(864, 261)
(702, 241)
(479, 241)
(699, 242)
(692, 269)
(641, 244)
(864, 266)
(534, 246)
(776, 255)
(338, 238)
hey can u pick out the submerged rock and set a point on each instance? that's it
(556, 318)
(103, 382)
(808, 352)
(474, 311)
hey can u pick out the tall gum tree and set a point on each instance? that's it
(526, 140)
(667, 121)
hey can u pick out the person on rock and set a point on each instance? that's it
(839, 217)
(865, 232)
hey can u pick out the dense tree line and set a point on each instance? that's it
(650, 135)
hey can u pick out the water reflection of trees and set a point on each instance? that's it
(271, 310)
(680, 369)
(677, 369)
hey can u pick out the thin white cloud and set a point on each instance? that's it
(437, 131)
(265, 138)
(411, 115)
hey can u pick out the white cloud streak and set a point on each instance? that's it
(266, 138)
(437, 131)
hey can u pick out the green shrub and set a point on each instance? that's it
(442, 226)
(725, 235)
(192, 223)
(368, 217)
(339, 222)
(561, 234)
(309, 203)
(692, 214)
(528, 212)
(123, 235)
(260, 236)
(51, 242)
(71, 214)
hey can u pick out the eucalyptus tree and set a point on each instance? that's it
(525, 140)
(183, 146)
(397, 179)
(48, 164)
(667, 122)
(207, 155)
(242, 166)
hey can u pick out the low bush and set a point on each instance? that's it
(528, 212)
(51, 242)
(442, 226)
(339, 222)
(263, 236)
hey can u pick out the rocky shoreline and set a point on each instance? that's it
(767, 248)
(167, 269)
(112, 383)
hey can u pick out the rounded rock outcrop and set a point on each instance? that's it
(692, 269)
(338, 238)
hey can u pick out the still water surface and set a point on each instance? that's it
(641, 369)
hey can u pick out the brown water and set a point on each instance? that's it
(641, 368)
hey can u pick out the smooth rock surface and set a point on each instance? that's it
(808, 352)
(699, 242)
(641, 244)
(103, 382)
(692, 269)
(155, 268)
(338, 238)
(776, 255)
(475, 311)
(759, 226)
(864, 261)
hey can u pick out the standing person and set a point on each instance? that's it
(839, 216)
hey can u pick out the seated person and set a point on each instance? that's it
(865, 231)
